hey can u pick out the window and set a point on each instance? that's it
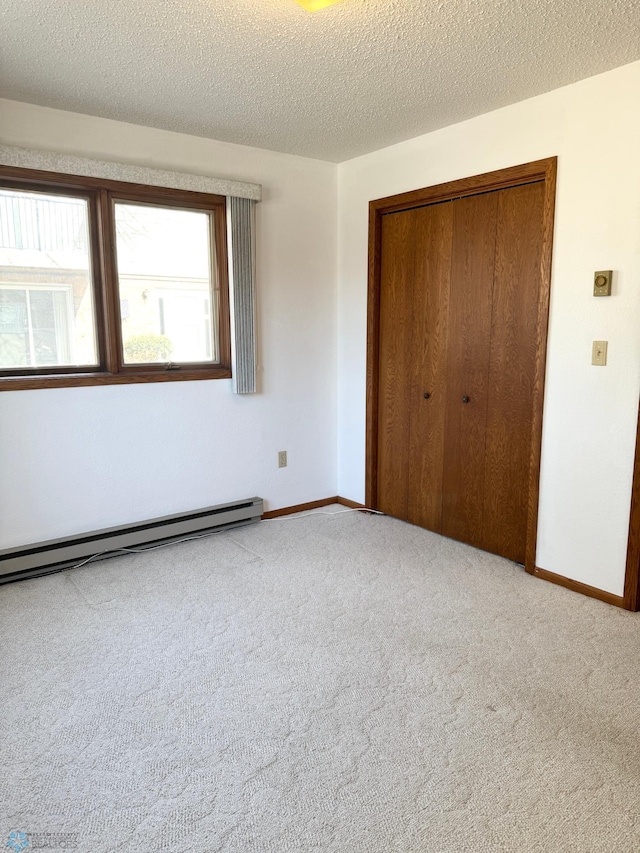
(34, 326)
(107, 282)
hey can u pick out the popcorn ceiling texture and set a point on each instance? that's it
(344, 684)
(335, 84)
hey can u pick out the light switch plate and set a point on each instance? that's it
(599, 353)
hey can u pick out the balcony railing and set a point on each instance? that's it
(29, 221)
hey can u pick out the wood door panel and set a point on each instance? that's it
(394, 394)
(472, 270)
(385, 478)
(512, 361)
(433, 234)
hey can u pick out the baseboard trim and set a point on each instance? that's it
(289, 510)
(577, 586)
(351, 504)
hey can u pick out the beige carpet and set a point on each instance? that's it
(346, 683)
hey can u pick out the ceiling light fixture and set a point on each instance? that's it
(315, 5)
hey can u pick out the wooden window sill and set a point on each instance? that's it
(61, 380)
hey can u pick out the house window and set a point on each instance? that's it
(46, 282)
(35, 326)
(105, 282)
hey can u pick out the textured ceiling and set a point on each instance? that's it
(341, 82)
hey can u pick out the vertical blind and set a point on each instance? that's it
(241, 219)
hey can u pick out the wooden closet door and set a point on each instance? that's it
(434, 228)
(396, 340)
(458, 341)
(414, 290)
(458, 307)
(512, 358)
(470, 313)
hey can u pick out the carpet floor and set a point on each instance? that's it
(333, 683)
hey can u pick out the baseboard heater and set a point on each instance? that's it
(45, 557)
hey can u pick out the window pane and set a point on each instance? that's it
(14, 328)
(46, 290)
(164, 276)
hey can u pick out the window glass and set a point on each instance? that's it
(164, 258)
(88, 263)
(46, 288)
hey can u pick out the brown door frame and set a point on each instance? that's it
(631, 596)
(540, 170)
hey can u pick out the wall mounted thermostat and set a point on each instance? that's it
(602, 283)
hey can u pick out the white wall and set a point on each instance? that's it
(82, 458)
(590, 412)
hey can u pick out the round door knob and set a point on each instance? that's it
(426, 395)
(465, 399)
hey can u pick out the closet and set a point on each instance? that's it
(457, 355)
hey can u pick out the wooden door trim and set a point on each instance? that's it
(582, 588)
(539, 170)
(631, 595)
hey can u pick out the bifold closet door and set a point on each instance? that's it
(512, 362)
(431, 281)
(414, 289)
(493, 322)
(471, 294)
(459, 289)
(396, 293)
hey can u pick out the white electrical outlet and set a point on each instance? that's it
(282, 459)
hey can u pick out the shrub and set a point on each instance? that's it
(146, 348)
